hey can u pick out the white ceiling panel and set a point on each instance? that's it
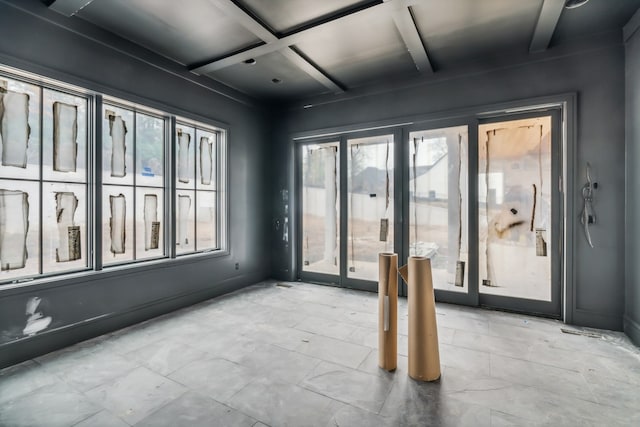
(187, 32)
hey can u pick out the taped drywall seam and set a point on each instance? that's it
(118, 132)
(14, 126)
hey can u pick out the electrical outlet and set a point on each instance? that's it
(237, 266)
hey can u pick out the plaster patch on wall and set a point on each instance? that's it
(118, 133)
(68, 233)
(36, 321)
(184, 205)
(151, 223)
(65, 135)
(206, 160)
(117, 223)
(14, 126)
(14, 225)
(184, 140)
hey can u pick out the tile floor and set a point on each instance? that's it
(305, 355)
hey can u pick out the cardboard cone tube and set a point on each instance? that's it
(424, 355)
(388, 311)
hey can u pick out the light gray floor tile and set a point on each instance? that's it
(349, 415)
(529, 335)
(52, 406)
(281, 336)
(137, 394)
(22, 379)
(335, 351)
(463, 323)
(129, 339)
(195, 410)
(500, 419)
(616, 368)
(102, 419)
(90, 370)
(545, 407)
(557, 380)
(370, 366)
(360, 389)
(217, 378)
(491, 344)
(612, 392)
(166, 355)
(413, 403)
(283, 404)
(327, 328)
(367, 337)
(445, 335)
(277, 363)
(463, 358)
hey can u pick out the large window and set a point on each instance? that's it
(199, 155)
(47, 194)
(133, 179)
(44, 133)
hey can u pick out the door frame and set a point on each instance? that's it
(470, 297)
(551, 308)
(342, 279)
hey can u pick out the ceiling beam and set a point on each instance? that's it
(546, 25)
(232, 10)
(311, 69)
(406, 25)
(271, 44)
(289, 40)
(68, 7)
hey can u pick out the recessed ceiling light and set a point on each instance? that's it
(572, 4)
(276, 80)
(250, 61)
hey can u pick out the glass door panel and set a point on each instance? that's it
(438, 203)
(514, 208)
(370, 204)
(320, 208)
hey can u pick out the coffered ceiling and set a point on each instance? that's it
(292, 49)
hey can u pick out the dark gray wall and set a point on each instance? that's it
(38, 40)
(594, 70)
(632, 294)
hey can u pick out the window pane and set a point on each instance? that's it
(20, 124)
(117, 146)
(438, 203)
(64, 227)
(117, 224)
(185, 221)
(149, 222)
(64, 137)
(320, 208)
(514, 208)
(206, 154)
(19, 229)
(206, 220)
(370, 203)
(149, 150)
(185, 156)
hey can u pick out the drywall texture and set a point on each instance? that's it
(595, 73)
(632, 291)
(97, 302)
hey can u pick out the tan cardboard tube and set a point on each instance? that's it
(424, 355)
(388, 311)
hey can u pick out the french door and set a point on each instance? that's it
(479, 197)
(485, 206)
(346, 216)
